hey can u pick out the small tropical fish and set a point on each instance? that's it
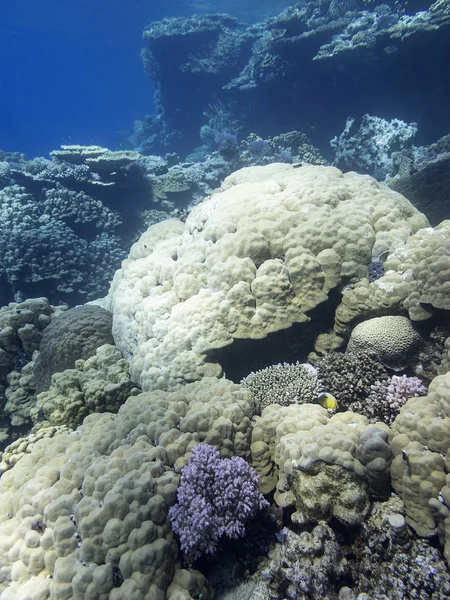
(327, 401)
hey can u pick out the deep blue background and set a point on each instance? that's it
(70, 70)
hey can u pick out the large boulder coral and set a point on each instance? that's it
(85, 513)
(420, 441)
(416, 280)
(253, 259)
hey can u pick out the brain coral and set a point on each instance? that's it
(250, 260)
(75, 334)
(392, 338)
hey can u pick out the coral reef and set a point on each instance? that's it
(249, 261)
(319, 473)
(87, 511)
(64, 226)
(310, 564)
(214, 499)
(75, 334)
(283, 384)
(290, 61)
(89, 496)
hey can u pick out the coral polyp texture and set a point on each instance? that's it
(254, 258)
(284, 384)
(392, 338)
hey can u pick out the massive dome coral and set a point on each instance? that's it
(255, 258)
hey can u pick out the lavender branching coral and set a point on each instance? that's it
(386, 397)
(215, 497)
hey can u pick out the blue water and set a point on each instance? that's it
(70, 71)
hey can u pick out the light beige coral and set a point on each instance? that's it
(312, 460)
(417, 279)
(393, 338)
(254, 258)
(87, 506)
(420, 441)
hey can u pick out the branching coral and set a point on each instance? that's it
(215, 497)
(283, 384)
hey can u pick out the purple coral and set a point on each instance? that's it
(402, 388)
(215, 497)
(227, 143)
(386, 397)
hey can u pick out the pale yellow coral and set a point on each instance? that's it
(253, 259)
(88, 506)
(420, 441)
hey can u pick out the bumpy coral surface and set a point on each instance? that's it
(76, 334)
(253, 259)
(85, 514)
(420, 442)
(320, 473)
(416, 279)
(99, 384)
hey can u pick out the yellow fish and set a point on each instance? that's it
(327, 401)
